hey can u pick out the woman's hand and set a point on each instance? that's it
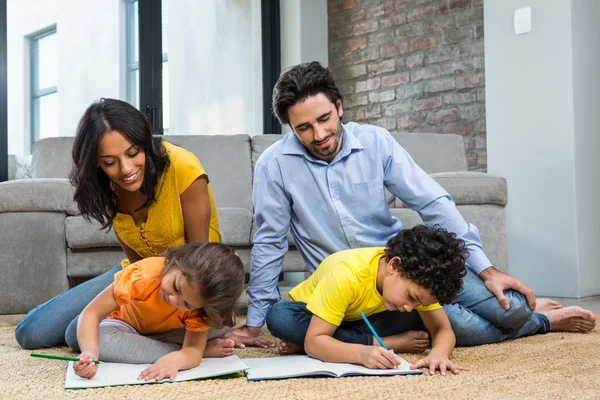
(435, 361)
(85, 367)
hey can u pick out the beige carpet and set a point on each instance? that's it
(556, 365)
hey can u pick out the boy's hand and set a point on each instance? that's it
(378, 358)
(85, 367)
(438, 361)
(165, 368)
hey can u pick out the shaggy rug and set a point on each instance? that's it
(555, 365)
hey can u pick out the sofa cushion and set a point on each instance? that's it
(226, 159)
(434, 152)
(51, 157)
(235, 225)
(82, 234)
(37, 195)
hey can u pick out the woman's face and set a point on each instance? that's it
(121, 160)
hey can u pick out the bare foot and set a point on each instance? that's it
(571, 319)
(286, 348)
(408, 342)
(218, 348)
(544, 304)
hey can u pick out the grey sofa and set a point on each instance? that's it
(47, 247)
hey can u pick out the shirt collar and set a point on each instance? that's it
(293, 146)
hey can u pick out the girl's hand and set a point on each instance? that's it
(378, 358)
(438, 361)
(165, 368)
(85, 367)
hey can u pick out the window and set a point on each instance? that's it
(44, 97)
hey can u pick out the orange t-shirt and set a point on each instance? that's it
(137, 291)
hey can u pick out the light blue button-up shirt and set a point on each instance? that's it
(340, 205)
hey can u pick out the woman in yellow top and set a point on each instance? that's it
(154, 195)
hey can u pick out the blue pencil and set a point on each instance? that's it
(375, 335)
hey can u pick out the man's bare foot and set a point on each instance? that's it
(544, 304)
(286, 348)
(218, 348)
(571, 319)
(408, 342)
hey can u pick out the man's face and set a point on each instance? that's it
(316, 122)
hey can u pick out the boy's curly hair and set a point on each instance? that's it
(432, 257)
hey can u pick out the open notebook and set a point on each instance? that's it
(304, 366)
(115, 374)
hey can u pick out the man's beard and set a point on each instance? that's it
(333, 146)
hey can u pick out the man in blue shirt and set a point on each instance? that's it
(324, 182)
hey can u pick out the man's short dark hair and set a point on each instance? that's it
(432, 257)
(300, 82)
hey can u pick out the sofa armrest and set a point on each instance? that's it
(35, 195)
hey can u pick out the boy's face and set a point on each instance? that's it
(401, 294)
(316, 122)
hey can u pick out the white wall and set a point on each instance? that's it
(536, 129)
(91, 56)
(215, 73)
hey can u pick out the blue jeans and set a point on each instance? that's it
(46, 325)
(477, 317)
(289, 321)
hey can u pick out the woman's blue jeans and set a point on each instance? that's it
(46, 325)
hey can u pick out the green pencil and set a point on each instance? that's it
(53, 357)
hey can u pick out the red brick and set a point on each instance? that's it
(366, 113)
(394, 49)
(394, 20)
(395, 79)
(470, 80)
(459, 4)
(432, 71)
(369, 84)
(410, 120)
(451, 114)
(423, 43)
(355, 44)
(460, 128)
(386, 123)
(482, 159)
(365, 27)
(357, 16)
(477, 3)
(381, 67)
(427, 104)
(417, 14)
(339, 5)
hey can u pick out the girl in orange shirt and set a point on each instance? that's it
(159, 310)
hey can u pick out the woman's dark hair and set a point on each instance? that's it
(93, 193)
(432, 257)
(298, 83)
(217, 272)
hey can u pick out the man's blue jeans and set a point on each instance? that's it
(289, 321)
(46, 325)
(476, 318)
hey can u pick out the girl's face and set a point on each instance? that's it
(176, 291)
(122, 160)
(401, 294)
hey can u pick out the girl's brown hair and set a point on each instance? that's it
(218, 274)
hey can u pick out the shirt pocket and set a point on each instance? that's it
(368, 199)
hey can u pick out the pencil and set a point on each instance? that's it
(375, 335)
(53, 357)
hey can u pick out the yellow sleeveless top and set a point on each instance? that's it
(164, 227)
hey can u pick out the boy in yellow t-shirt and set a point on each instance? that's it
(399, 287)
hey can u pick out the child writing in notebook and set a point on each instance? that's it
(399, 288)
(140, 317)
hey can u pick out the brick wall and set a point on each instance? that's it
(412, 66)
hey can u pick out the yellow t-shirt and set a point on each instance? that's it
(137, 291)
(164, 227)
(344, 285)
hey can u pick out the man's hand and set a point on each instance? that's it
(247, 336)
(497, 282)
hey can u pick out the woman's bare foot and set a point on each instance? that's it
(286, 348)
(218, 348)
(408, 342)
(571, 319)
(544, 304)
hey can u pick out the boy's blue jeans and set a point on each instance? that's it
(289, 321)
(476, 318)
(46, 325)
